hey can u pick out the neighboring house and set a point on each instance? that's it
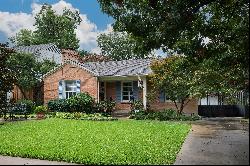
(42, 52)
(120, 81)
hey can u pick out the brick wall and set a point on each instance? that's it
(69, 72)
(191, 107)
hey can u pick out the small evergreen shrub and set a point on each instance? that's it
(81, 102)
(58, 105)
(105, 106)
(30, 105)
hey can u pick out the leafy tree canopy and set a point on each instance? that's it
(51, 28)
(121, 46)
(213, 34)
(29, 71)
(174, 77)
(7, 76)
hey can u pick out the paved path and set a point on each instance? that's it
(6, 160)
(216, 141)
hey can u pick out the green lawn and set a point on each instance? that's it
(94, 142)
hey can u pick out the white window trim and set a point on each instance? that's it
(64, 89)
(126, 101)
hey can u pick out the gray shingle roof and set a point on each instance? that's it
(116, 68)
(42, 52)
(34, 49)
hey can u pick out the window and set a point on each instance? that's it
(70, 88)
(127, 91)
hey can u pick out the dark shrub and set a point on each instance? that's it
(81, 102)
(29, 104)
(168, 114)
(141, 115)
(105, 107)
(58, 105)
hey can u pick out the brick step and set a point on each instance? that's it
(121, 114)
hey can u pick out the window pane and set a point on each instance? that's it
(125, 98)
(70, 85)
(130, 89)
(127, 84)
(125, 89)
(125, 93)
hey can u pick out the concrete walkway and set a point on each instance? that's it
(216, 141)
(6, 160)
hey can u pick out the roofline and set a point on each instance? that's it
(68, 62)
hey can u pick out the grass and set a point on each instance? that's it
(94, 142)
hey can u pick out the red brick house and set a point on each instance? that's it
(117, 80)
(49, 52)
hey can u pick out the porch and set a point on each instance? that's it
(123, 90)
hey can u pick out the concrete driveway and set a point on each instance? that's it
(216, 141)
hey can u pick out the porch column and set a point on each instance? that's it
(144, 93)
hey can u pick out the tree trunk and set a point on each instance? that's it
(182, 106)
(23, 93)
(178, 110)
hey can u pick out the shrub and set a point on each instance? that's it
(58, 105)
(30, 105)
(137, 105)
(41, 109)
(81, 102)
(168, 114)
(105, 106)
(141, 115)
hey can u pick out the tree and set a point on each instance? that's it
(29, 71)
(7, 76)
(120, 46)
(183, 26)
(173, 76)
(24, 37)
(52, 28)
